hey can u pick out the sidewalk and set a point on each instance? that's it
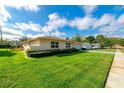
(116, 74)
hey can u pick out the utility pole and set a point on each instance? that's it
(1, 38)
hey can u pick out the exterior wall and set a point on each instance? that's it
(46, 45)
(35, 43)
(26, 46)
(76, 45)
(96, 45)
(86, 45)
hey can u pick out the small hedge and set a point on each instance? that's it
(5, 46)
(49, 52)
(83, 48)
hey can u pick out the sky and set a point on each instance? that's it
(61, 20)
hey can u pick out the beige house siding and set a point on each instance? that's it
(35, 43)
(45, 45)
(42, 44)
(26, 46)
(76, 45)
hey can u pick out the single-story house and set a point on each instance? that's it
(96, 45)
(49, 43)
(86, 45)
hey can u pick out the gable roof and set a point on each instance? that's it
(49, 38)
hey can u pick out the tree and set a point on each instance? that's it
(24, 38)
(101, 39)
(114, 41)
(121, 42)
(15, 43)
(107, 42)
(90, 39)
(77, 38)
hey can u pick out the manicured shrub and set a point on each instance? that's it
(50, 52)
(5, 46)
(83, 48)
(39, 54)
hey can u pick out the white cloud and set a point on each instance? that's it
(55, 34)
(8, 32)
(51, 28)
(104, 20)
(89, 9)
(36, 35)
(107, 29)
(55, 22)
(12, 31)
(54, 16)
(11, 37)
(114, 28)
(58, 34)
(29, 35)
(28, 26)
(32, 8)
(82, 23)
(4, 15)
(107, 24)
(12, 34)
(120, 20)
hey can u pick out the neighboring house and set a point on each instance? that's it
(86, 45)
(96, 45)
(90, 46)
(49, 43)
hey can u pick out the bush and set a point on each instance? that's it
(5, 46)
(50, 52)
(83, 48)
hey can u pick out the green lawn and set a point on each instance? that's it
(68, 70)
(105, 50)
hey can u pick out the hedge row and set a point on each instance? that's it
(5, 46)
(49, 52)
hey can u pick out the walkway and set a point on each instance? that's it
(97, 51)
(116, 74)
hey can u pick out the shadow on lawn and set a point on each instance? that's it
(6, 53)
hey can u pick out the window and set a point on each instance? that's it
(54, 44)
(68, 45)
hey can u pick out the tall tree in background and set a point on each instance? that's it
(24, 38)
(121, 41)
(107, 42)
(90, 39)
(77, 38)
(101, 39)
